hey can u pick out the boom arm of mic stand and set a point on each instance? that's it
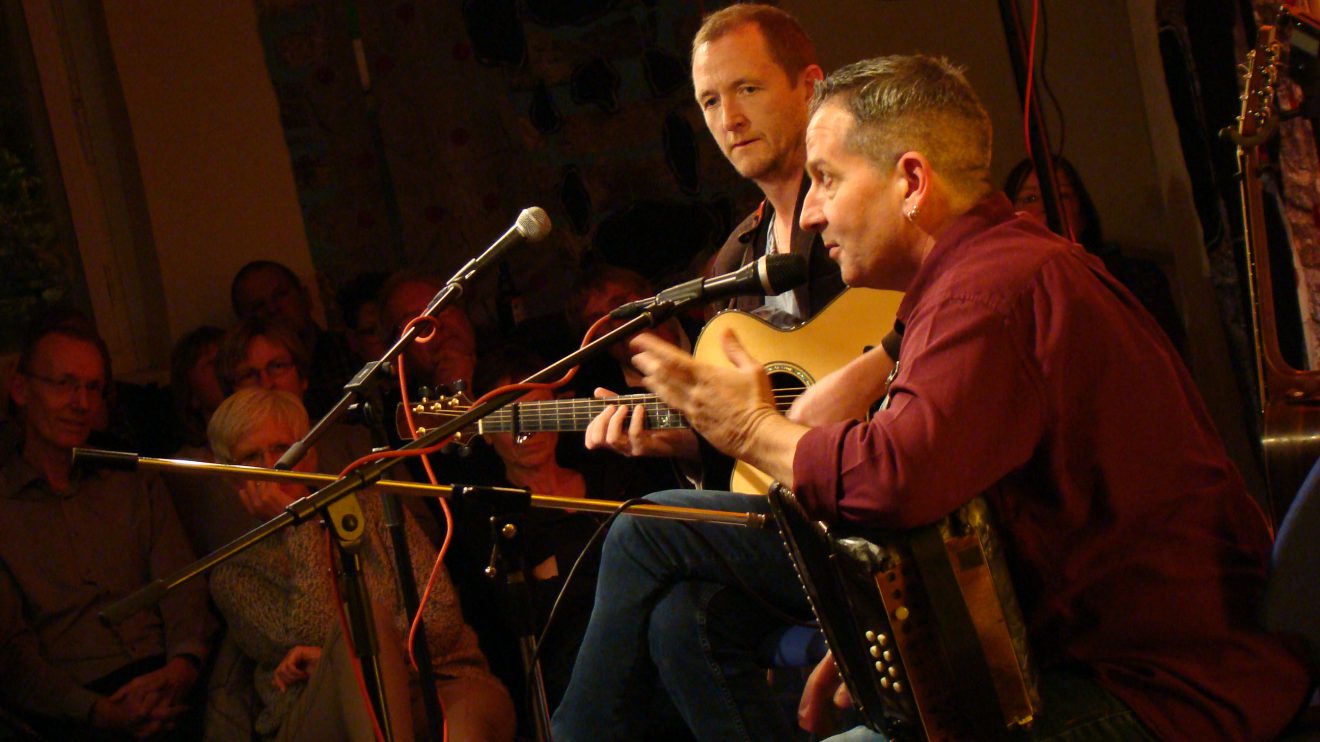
(413, 489)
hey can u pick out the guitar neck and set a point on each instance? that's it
(573, 415)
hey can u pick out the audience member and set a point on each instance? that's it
(195, 383)
(265, 354)
(271, 291)
(445, 362)
(601, 288)
(1142, 277)
(358, 303)
(279, 600)
(72, 541)
(552, 539)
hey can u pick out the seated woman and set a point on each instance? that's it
(552, 539)
(279, 601)
(1142, 277)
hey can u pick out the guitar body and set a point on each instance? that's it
(1290, 446)
(797, 357)
(923, 624)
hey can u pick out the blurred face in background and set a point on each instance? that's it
(204, 390)
(270, 365)
(536, 450)
(611, 295)
(450, 355)
(268, 293)
(1029, 200)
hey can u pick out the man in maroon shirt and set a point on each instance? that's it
(1136, 551)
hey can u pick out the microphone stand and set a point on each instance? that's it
(342, 514)
(364, 386)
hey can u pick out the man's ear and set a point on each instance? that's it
(915, 170)
(19, 389)
(809, 76)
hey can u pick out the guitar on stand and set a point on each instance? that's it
(1289, 398)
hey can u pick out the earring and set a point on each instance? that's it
(911, 214)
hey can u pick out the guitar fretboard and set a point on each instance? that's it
(573, 415)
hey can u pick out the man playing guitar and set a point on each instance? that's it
(1137, 553)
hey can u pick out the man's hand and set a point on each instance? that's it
(823, 694)
(118, 713)
(622, 428)
(148, 703)
(732, 407)
(297, 666)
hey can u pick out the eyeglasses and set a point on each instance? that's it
(259, 456)
(66, 387)
(275, 369)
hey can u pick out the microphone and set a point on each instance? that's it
(768, 275)
(533, 225)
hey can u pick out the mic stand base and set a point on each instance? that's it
(509, 565)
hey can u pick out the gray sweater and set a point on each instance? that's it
(279, 594)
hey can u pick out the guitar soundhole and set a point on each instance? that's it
(788, 382)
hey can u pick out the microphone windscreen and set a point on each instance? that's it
(533, 223)
(784, 272)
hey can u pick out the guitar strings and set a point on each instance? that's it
(782, 397)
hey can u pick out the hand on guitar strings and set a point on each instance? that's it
(622, 428)
(733, 407)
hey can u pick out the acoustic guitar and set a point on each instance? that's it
(1289, 397)
(795, 358)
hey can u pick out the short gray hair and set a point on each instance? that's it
(247, 410)
(903, 103)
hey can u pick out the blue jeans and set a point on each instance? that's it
(669, 611)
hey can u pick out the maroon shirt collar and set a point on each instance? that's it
(990, 211)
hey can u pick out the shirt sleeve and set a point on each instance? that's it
(965, 408)
(184, 612)
(28, 680)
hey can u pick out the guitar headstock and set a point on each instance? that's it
(430, 413)
(1259, 117)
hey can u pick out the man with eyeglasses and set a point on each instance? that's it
(271, 291)
(72, 542)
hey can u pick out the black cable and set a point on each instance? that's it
(591, 543)
(563, 589)
(1045, 83)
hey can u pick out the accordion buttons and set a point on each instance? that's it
(902, 613)
(880, 667)
(875, 652)
(893, 671)
(881, 639)
(884, 683)
(870, 636)
(898, 687)
(887, 656)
